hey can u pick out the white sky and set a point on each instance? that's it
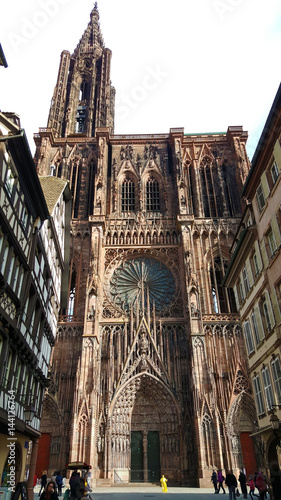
(201, 64)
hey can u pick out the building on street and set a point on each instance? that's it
(33, 279)
(255, 276)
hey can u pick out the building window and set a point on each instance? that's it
(152, 195)
(249, 337)
(255, 327)
(271, 242)
(260, 198)
(258, 395)
(128, 196)
(10, 175)
(274, 172)
(256, 264)
(276, 369)
(241, 292)
(246, 281)
(267, 388)
(266, 316)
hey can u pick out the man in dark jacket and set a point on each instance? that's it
(231, 482)
(243, 480)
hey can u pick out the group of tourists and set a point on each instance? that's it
(52, 490)
(258, 481)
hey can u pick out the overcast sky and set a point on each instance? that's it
(201, 64)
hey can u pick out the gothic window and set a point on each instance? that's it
(227, 190)
(128, 196)
(209, 439)
(220, 295)
(191, 199)
(152, 195)
(75, 182)
(208, 191)
(215, 300)
(71, 300)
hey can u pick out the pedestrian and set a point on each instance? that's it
(59, 482)
(53, 477)
(214, 480)
(76, 485)
(231, 482)
(163, 482)
(50, 492)
(243, 480)
(221, 479)
(251, 484)
(43, 481)
(261, 485)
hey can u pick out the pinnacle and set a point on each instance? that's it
(95, 11)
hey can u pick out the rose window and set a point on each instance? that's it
(140, 281)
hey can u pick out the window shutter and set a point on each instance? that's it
(248, 337)
(276, 369)
(264, 253)
(270, 311)
(249, 273)
(258, 254)
(277, 154)
(259, 322)
(265, 185)
(276, 230)
(275, 305)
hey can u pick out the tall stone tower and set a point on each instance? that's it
(148, 373)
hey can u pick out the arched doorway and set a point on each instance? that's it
(145, 432)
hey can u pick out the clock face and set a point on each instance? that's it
(141, 281)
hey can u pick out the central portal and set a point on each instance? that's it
(145, 457)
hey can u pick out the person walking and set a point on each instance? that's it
(214, 480)
(251, 484)
(220, 481)
(231, 482)
(59, 482)
(243, 480)
(43, 481)
(261, 485)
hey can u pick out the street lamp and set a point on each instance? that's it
(274, 420)
(29, 412)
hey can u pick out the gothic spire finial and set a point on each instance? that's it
(95, 11)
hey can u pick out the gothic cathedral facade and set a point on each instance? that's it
(148, 373)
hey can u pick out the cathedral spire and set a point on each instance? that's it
(92, 37)
(84, 98)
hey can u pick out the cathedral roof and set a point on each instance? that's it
(52, 188)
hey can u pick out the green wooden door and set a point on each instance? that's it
(153, 456)
(136, 456)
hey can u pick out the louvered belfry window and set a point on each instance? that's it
(152, 195)
(128, 196)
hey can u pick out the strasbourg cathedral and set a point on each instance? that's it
(149, 369)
